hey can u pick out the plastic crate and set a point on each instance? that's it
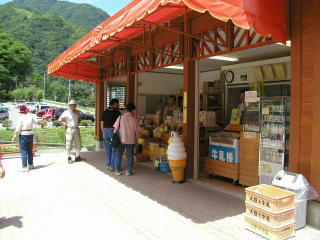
(164, 167)
(269, 232)
(273, 219)
(272, 199)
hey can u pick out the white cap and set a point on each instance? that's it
(72, 102)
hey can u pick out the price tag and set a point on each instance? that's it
(265, 111)
(249, 135)
(251, 96)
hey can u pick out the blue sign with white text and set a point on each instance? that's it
(223, 153)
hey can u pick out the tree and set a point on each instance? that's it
(36, 77)
(29, 94)
(58, 91)
(15, 63)
(39, 95)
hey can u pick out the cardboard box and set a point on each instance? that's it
(157, 150)
(207, 86)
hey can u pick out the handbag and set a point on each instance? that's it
(115, 141)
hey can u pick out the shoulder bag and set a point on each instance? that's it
(115, 141)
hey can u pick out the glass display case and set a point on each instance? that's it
(252, 117)
(274, 142)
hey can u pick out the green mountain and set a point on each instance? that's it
(46, 28)
(83, 15)
(46, 35)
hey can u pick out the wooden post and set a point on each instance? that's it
(189, 100)
(100, 97)
(315, 159)
(305, 91)
(99, 108)
(130, 85)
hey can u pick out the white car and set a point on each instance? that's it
(4, 106)
(31, 106)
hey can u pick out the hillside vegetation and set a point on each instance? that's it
(82, 15)
(46, 28)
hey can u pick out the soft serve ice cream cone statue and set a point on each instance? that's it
(177, 157)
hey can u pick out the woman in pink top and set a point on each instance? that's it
(128, 126)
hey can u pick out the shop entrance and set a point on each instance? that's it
(232, 148)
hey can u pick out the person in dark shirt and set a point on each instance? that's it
(109, 117)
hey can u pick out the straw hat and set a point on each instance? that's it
(72, 102)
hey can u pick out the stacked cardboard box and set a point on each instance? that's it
(215, 87)
(143, 145)
(157, 150)
(270, 212)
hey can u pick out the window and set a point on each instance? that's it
(118, 92)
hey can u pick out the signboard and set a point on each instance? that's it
(223, 152)
(251, 96)
(185, 104)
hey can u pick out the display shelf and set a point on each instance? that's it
(252, 117)
(274, 117)
(216, 102)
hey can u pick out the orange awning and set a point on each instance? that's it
(266, 17)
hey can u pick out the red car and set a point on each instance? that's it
(42, 112)
(49, 113)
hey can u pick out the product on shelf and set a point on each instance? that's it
(207, 118)
(275, 112)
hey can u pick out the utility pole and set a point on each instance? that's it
(44, 85)
(69, 93)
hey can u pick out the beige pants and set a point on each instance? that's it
(73, 139)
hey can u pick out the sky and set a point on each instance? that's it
(109, 6)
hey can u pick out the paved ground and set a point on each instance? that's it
(84, 201)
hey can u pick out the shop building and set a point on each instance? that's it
(272, 43)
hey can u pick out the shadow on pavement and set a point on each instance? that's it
(12, 221)
(41, 166)
(198, 203)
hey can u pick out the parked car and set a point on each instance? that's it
(39, 107)
(48, 114)
(4, 106)
(31, 106)
(42, 110)
(4, 114)
(57, 113)
(85, 116)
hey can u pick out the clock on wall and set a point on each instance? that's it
(229, 76)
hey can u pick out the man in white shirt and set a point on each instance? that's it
(24, 126)
(70, 119)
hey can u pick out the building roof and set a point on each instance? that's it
(265, 17)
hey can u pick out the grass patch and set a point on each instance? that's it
(52, 135)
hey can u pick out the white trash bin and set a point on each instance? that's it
(296, 183)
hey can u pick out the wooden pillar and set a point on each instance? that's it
(99, 108)
(100, 100)
(189, 100)
(305, 110)
(131, 86)
(315, 157)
